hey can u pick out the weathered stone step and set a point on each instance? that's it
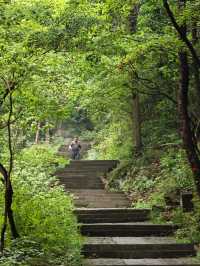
(88, 166)
(77, 179)
(114, 215)
(143, 262)
(82, 185)
(99, 198)
(97, 193)
(136, 248)
(78, 175)
(80, 172)
(115, 162)
(127, 229)
(100, 166)
(105, 199)
(88, 204)
(106, 196)
(85, 171)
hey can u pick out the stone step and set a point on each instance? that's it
(80, 185)
(97, 193)
(78, 175)
(107, 198)
(114, 215)
(187, 261)
(85, 171)
(81, 182)
(99, 198)
(105, 204)
(88, 166)
(77, 179)
(127, 229)
(114, 162)
(85, 203)
(80, 171)
(136, 248)
(93, 164)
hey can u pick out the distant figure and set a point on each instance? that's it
(75, 148)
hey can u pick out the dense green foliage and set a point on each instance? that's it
(112, 69)
(43, 212)
(153, 180)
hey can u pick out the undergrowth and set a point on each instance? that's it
(155, 180)
(43, 213)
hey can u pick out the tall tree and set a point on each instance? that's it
(189, 139)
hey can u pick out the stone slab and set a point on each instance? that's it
(143, 262)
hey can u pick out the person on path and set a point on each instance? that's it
(75, 148)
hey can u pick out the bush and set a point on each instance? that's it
(149, 179)
(109, 142)
(189, 229)
(43, 211)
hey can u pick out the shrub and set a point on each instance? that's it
(43, 211)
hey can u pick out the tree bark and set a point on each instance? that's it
(37, 135)
(187, 134)
(195, 66)
(8, 213)
(188, 137)
(137, 138)
(8, 196)
(136, 122)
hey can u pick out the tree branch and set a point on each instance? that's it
(181, 33)
(10, 87)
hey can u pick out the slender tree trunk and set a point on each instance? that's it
(47, 136)
(195, 66)
(137, 139)
(196, 72)
(8, 196)
(136, 123)
(37, 135)
(8, 213)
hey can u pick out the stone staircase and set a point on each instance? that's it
(115, 233)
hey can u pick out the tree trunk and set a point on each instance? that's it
(47, 136)
(8, 213)
(187, 135)
(137, 139)
(136, 123)
(189, 140)
(195, 66)
(37, 135)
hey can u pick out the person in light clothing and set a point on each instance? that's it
(75, 148)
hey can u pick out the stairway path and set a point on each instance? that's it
(115, 233)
